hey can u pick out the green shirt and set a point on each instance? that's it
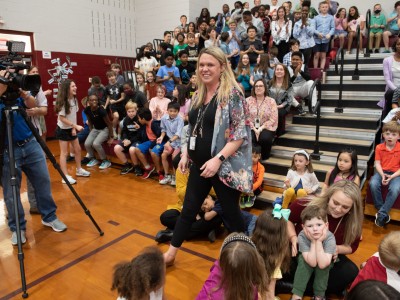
(378, 20)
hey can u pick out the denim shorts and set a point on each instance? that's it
(146, 146)
(339, 31)
(321, 47)
(158, 149)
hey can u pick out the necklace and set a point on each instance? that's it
(337, 226)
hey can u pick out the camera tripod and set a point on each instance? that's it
(7, 123)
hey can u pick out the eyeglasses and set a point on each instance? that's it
(259, 86)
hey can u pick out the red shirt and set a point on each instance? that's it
(390, 159)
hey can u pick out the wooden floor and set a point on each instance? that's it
(78, 263)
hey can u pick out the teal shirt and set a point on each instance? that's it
(393, 23)
(378, 20)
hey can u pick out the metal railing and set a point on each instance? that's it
(368, 24)
(356, 75)
(340, 56)
(316, 155)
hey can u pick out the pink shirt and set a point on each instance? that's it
(158, 107)
(266, 111)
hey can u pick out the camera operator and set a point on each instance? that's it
(30, 159)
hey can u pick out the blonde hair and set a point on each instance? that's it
(309, 167)
(391, 126)
(355, 216)
(389, 250)
(131, 105)
(227, 80)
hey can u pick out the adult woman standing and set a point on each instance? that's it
(391, 72)
(263, 116)
(219, 146)
(344, 206)
(281, 30)
(281, 90)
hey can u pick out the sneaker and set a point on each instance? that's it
(160, 176)
(386, 51)
(380, 220)
(14, 240)
(241, 201)
(250, 201)
(82, 173)
(166, 179)
(147, 172)
(126, 169)
(70, 179)
(93, 162)
(173, 181)
(86, 160)
(70, 158)
(212, 236)
(105, 164)
(56, 224)
(376, 50)
(301, 110)
(138, 171)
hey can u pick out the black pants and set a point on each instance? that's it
(265, 141)
(307, 55)
(341, 275)
(281, 121)
(388, 102)
(198, 228)
(197, 189)
(283, 48)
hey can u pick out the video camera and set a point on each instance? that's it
(16, 81)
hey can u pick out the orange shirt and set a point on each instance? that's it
(258, 175)
(150, 134)
(390, 159)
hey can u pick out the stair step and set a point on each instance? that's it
(376, 66)
(365, 95)
(350, 73)
(353, 103)
(354, 86)
(267, 196)
(353, 112)
(339, 120)
(275, 180)
(325, 143)
(335, 132)
(362, 79)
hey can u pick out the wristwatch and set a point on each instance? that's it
(220, 157)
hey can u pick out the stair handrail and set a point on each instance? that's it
(368, 24)
(337, 60)
(316, 155)
(356, 75)
(339, 106)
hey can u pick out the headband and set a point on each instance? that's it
(237, 238)
(278, 212)
(302, 151)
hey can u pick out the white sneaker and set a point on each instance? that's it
(105, 164)
(82, 172)
(166, 179)
(70, 179)
(173, 181)
(93, 162)
(14, 238)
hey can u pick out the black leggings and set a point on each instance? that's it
(265, 141)
(198, 228)
(197, 189)
(281, 121)
(341, 276)
(283, 48)
(388, 102)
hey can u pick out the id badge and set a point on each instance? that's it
(192, 143)
(257, 123)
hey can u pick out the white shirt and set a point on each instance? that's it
(40, 101)
(74, 108)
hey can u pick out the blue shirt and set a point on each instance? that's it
(393, 24)
(172, 127)
(324, 25)
(21, 130)
(305, 35)
(163, 73)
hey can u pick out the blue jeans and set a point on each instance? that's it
(375, 186)
(30, 159)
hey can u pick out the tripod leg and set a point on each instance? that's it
(58, 168)
(15, 192)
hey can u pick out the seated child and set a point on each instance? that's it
(387, 171)
(300, 180)
(158, 105)
(185, 68)
(394, 114)
(171, 127)
(192, 49)
(240, 268)
(100, 131)
(258, 179)
(117, 69)
(129, 140)
(273, 57)
(148, 142)
(98, 89)
(141, 278)
(168, 75)
(384, 265)
(115, 98)
(317, 246)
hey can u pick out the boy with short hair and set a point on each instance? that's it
(171, 127)
(117, 69)
(129, 140)
(294, 47)
(192, 49)
(324, 29)
(98, 89)
(185, 68)
(387, 167)
(252, 46)
(151, 131)
(317, 246)
(384, 265)
(115, 98)
(234, 43)
(377, 25)
(168, 74)
(224, 37)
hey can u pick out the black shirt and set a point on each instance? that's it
(202, 152)
(96, 117)
(252, 55)
(186, 72)
(129, 132)
(138, 97)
